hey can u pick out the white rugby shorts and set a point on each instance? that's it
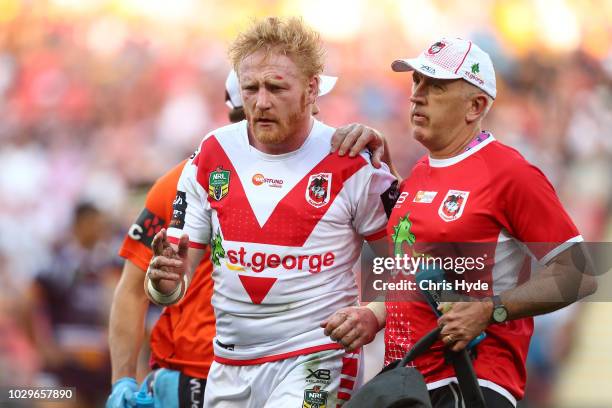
(326, 379)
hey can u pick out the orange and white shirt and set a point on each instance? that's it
(182, 337)
(284, 231)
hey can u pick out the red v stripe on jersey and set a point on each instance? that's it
(293, 219)
(257, 287)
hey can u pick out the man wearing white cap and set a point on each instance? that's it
(471, 188)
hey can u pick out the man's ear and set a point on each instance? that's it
(313, 88)
(477, 105)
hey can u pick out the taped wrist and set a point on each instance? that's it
(167, 299)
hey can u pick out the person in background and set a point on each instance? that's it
(67, 307)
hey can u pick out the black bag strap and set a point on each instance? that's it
(468, 382)
(420, 346)
(466, 376)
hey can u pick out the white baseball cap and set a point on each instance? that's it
(232, 88)
(453, 58)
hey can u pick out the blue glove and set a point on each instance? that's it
(166, 388)
(122, 393)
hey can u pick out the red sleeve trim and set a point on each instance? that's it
(377, 235)
(276, 357)
(192, 244)
(197, 245)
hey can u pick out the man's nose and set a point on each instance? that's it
(263, 99)
(418, 95)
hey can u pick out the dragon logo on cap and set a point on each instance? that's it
(436, 48)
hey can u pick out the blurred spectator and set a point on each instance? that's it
(67, 308)
(19, 363)
(551, 345)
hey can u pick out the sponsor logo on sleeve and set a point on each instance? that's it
(318, 189)
(145, 227)
(453, 205)
(179, 208)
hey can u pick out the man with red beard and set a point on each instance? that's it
(284, 221)
(181, 340)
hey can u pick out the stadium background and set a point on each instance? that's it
(100, 97)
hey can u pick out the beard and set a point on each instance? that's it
(274, 134)
(277, 130)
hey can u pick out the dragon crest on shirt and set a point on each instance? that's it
(401, 234)
(216, 248)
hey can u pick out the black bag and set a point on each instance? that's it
(398, 386)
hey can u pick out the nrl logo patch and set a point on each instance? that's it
(218, 183)
(315, 398)
(318, 190)
(453, 204)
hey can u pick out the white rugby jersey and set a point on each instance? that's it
(284, 231)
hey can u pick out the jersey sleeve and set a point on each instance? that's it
(375, 203)
(191, 211)
(155, 215)
(532, 213)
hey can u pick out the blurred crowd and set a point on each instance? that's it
(84, 129)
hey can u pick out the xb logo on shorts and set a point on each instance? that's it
(218, 183)
(315, 398)
(318, 190)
